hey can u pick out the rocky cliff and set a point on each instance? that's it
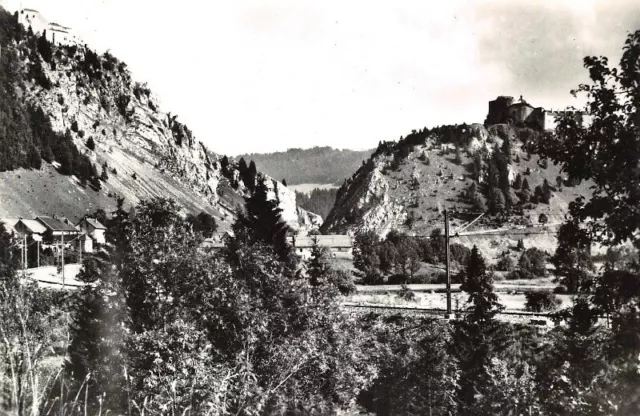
(406, 185)
(121, 127)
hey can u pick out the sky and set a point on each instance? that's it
(256, 76)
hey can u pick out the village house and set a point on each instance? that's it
(339, 246)
(57, 230)
(93, 228)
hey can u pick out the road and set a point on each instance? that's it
(48, 276)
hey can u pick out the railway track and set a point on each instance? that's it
(531, 318)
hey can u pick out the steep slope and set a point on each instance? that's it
(119, 126)
(406, 186)
(318, 165)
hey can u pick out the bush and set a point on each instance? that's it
(397, 279)
(560, 289)
(406, 293)
(343, 281)
(541, 301)
(420, 279)
(520, 274)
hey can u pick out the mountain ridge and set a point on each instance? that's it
(116, 124)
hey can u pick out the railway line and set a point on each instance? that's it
(531, 318)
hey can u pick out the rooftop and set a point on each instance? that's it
(335, 241)
(94, 223)
(56, 224)
(33, 226)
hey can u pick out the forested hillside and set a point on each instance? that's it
(319, 201)
(319, 165)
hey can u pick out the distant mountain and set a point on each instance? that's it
(319, 165)
(76, 132)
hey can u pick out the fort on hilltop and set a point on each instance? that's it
(504, 110)
(55, 33)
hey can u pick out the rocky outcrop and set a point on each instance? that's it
(146, 152)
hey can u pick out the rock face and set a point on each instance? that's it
(145, 151)
(405, 186)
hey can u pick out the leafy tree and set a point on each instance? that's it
(203, 223)
(572, 258)
(534, 260)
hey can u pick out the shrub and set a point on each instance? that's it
(406, 293)
(343, 281)
(560, 289)
(541, 301)
(520, 274)
(397, 279)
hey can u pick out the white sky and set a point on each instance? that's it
(255, 76)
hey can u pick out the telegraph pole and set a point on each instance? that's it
(62, 260)
(447, 262)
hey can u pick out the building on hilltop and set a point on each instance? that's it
(55, 33)
(504, 110)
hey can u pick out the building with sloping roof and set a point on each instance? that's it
(93, 228)
(58, 229)
(30, 228)
(338, 245)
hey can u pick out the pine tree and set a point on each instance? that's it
(478, 284)
(317, 266)
(105, 172)
(284, 182)
(242, 166)
(517, 183)
(252, 174)
(506, 148)
(525, 185)
(262, 223)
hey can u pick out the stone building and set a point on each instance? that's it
(56, 33)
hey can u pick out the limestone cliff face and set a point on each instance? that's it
(405, 186)
(146, 151)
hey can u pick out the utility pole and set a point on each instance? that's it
(62, 260)
(447, 262)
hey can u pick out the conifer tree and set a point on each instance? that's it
(525, 185)
(517, 183)
(317, 266)
(478, 284)
(242, 166)
(261, 222)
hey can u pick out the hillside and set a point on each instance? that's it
(77, 132)
(318, 165)
(407, 185)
